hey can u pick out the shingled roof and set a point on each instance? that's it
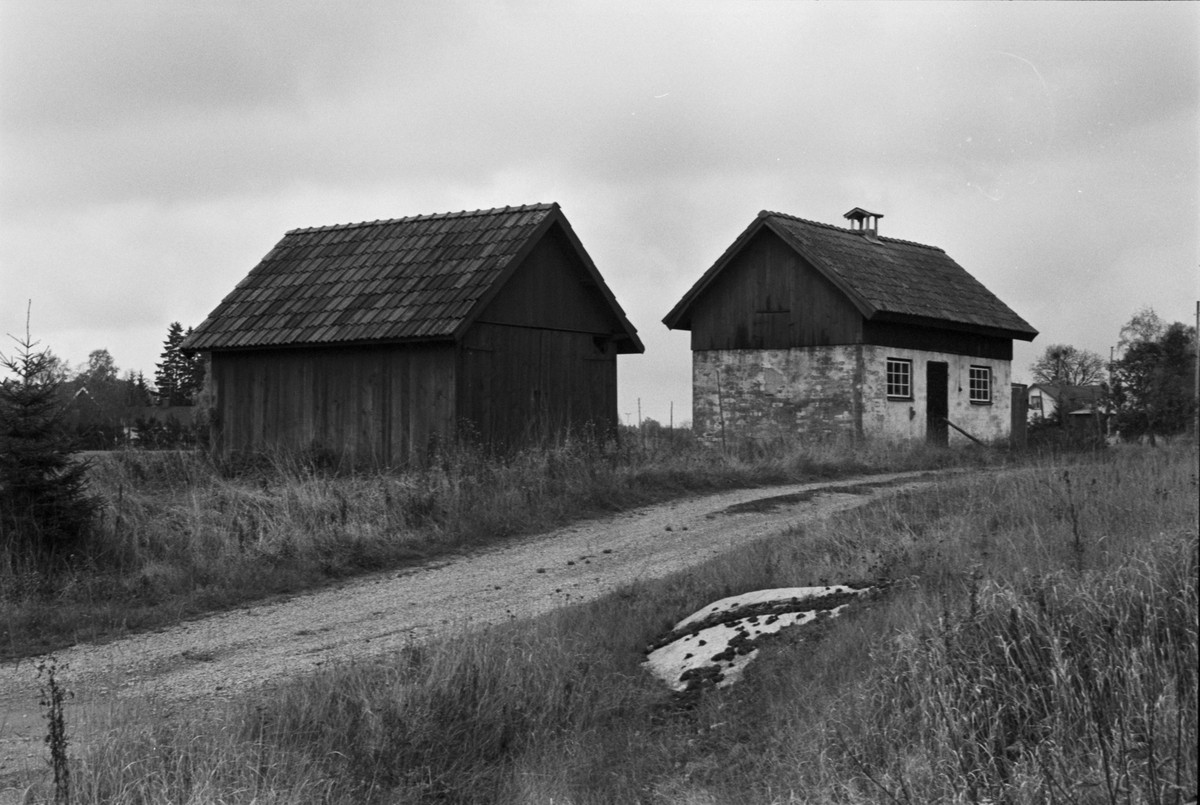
(419, 278)
(885, 278)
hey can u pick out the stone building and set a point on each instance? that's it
(806, 328)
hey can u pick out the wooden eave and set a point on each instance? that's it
(949, 324)
(362, 342)
(680, 316)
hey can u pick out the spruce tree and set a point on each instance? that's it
(45, 508)
(194, 378)
(137, 393)
(180, 376)
(171, 375)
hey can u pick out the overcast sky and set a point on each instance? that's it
(152, 152)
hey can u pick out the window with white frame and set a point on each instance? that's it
(981, 384)
(899, 379)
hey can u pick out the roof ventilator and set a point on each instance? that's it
(864, 221)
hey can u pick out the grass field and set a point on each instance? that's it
(179, 536)
(1039, 645)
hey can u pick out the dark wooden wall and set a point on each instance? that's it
(552, 290)
(540, 359)
(768, 297)
(377, 405)
(520, 384)
(936, 339)
(1019, 425)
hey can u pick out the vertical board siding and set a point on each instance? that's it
(523, 383)
(1019, 414)
(768, 297)
(370, 406)
(540, 359)
(552, 289)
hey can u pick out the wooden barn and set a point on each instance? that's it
(807, 328)
(376, 340)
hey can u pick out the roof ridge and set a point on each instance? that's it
(823, 225)
(427, 217)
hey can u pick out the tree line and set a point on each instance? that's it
(1147, 386)
(105, 408)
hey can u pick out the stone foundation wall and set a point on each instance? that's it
(776, 393)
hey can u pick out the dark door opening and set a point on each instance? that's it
(937, 402)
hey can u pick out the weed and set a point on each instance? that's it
(53, 698)
(1007, 667)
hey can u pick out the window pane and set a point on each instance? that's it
(981, 384)
(899, 378)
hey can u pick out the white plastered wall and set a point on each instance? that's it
(896, 419)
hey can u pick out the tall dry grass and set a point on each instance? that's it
(179, 535)
(1039, 645)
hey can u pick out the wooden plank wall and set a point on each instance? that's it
(371, 406)
(770, 298)
(540, 360)
(522, 384)
(551, 289)
(1019, 426)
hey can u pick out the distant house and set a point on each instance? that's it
(376, 340)
(806, 328)
(1081, 409)
(1045, 399)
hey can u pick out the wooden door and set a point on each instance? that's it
(937, 402)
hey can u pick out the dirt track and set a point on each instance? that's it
(230, 653)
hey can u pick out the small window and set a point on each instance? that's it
(899, 379)
(1035, 402)
(981, 385)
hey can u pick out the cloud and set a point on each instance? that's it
(174, 104)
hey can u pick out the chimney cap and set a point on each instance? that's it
(858, 214)
(864, 221)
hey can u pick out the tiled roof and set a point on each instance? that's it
(884, 277)
(406, 278)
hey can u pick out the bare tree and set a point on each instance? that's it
(1065, 365)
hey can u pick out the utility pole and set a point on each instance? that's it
(641, 430)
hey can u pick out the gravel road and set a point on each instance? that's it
(233, 652)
